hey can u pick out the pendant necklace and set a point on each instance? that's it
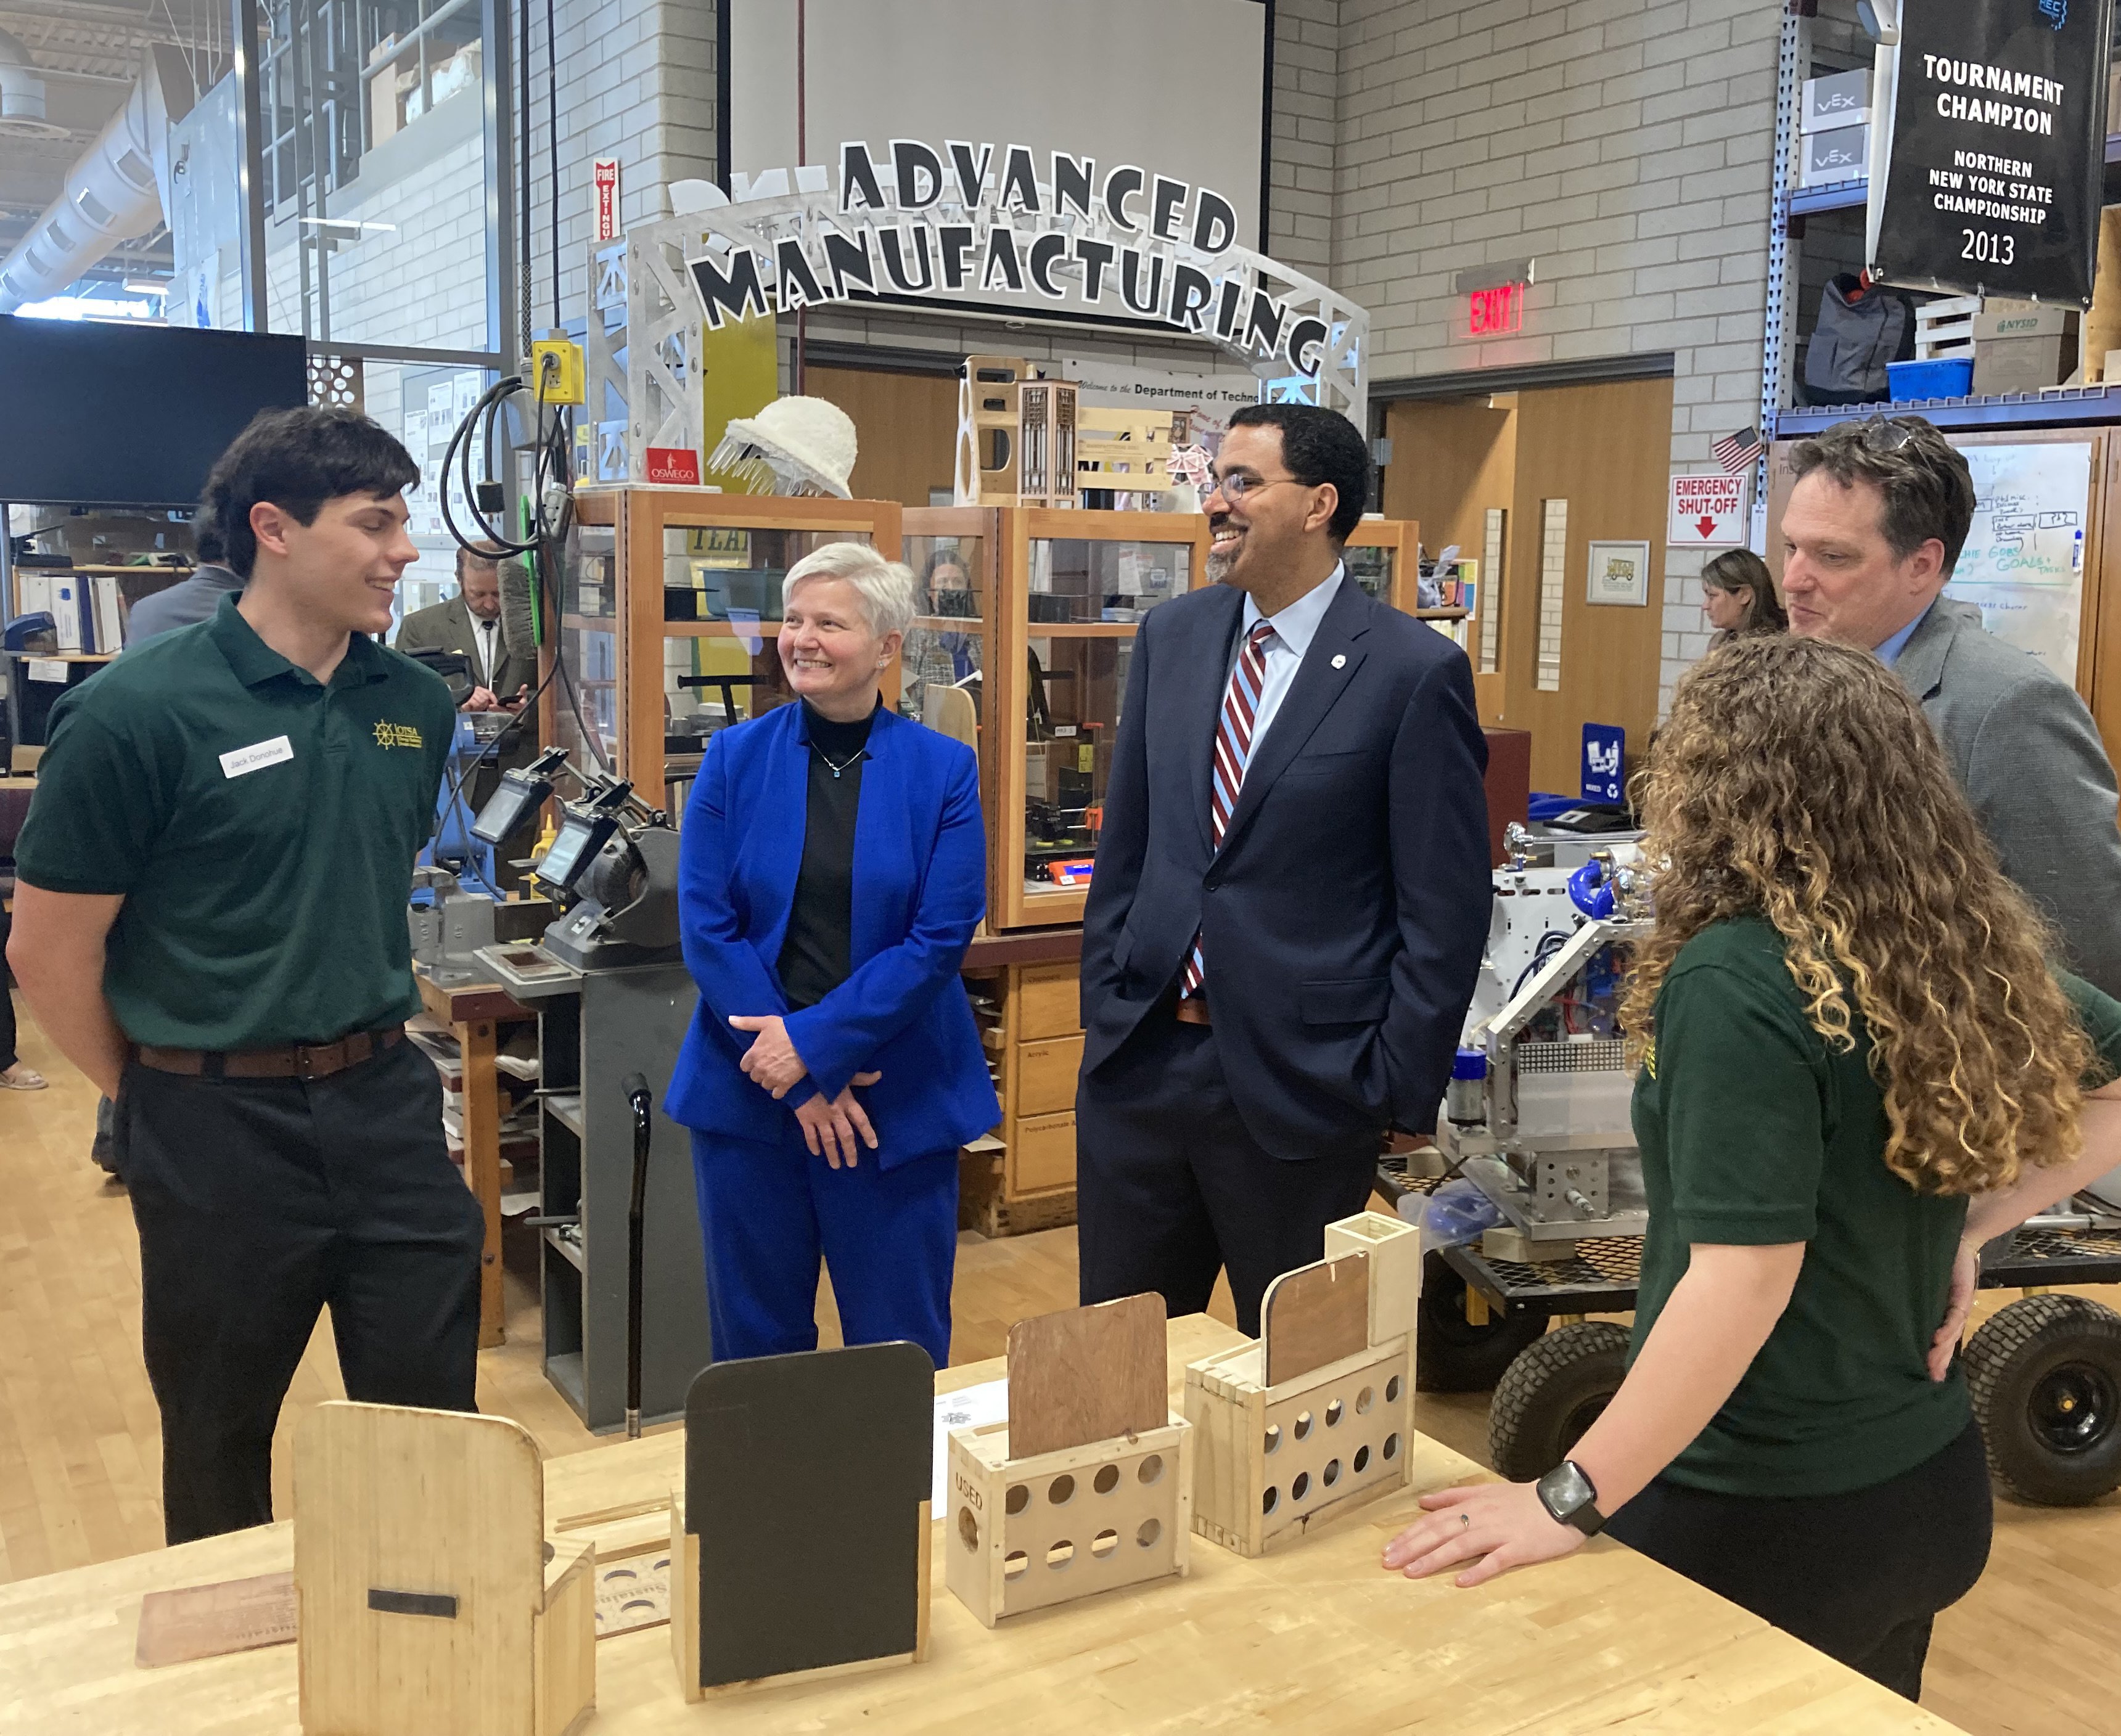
(837, 766)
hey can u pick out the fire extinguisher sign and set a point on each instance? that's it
(607, 199)
(1708, 511)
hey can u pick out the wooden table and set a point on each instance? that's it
(1317, 1638)
(473, 1011)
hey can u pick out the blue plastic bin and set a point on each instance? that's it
(1948, 376)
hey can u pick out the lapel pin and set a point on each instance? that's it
(1339, 663)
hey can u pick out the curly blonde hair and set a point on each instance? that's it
(1798, 781)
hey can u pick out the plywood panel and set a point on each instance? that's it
(1085, 1374)
(1605, 449)
(906, 425)
(1315, 1316)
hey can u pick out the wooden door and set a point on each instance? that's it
(1601, 454)
(1454, 460)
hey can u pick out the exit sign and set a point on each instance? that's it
(1493, 312)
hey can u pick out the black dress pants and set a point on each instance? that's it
(260, 1201)
(7, 1034)
(1859, 1576)
(1171, 1189)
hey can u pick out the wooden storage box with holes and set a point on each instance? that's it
(1096, 1492)
(1315, 1416)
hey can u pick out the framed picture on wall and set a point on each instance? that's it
(1620, 572)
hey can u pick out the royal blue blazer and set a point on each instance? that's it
(920, 890)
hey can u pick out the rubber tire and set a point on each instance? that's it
(1551, 1394)
(1450, 1354)
(2006, 1362)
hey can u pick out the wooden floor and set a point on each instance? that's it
(2032, 1649)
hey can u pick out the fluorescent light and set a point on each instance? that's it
(145, 286)
(349, 223)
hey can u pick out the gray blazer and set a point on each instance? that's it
(186, 601)
(2029, 759)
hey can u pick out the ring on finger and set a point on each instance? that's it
(1464, 1521)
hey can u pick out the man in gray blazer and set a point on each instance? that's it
(1876, 520)
(188, 600)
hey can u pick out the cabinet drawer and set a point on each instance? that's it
(1046, 1075)
(1049, 1001)
(1041, 1157)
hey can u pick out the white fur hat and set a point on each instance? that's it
(794, 445)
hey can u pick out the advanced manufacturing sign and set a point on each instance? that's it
(998, 228)
(1997, 149)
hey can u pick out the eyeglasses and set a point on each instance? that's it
(1234, 488)
(1882, 433)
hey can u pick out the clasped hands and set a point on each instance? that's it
(830, 1129)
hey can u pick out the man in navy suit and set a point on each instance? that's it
(1291, 894)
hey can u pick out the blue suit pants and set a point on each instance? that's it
(768, 1213)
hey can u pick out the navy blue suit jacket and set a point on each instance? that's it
(920, 878)
(1343, 919)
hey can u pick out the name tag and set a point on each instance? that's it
(241, 759)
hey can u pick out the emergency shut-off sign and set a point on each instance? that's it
(1708, 511)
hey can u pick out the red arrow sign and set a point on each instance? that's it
(1708, 527)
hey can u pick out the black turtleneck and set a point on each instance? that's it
(816, 953)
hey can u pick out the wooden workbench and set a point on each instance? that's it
(1314, 1638)
(472, 1012)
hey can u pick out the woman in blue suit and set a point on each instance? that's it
(833, 867)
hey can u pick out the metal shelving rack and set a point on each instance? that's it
(2062, 407)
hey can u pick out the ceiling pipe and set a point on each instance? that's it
(111, 195)
(21, 89)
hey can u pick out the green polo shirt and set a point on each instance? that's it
(1755, 1131)
(261, 826)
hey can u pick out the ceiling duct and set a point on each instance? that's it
(112, 194)
(22, 94)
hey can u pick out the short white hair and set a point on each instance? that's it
(888, 591)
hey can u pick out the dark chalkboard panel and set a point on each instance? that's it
(805, 1477)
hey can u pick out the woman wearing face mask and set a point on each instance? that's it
(832, 870)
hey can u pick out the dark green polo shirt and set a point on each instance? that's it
(262, 827)
(1754, 1131)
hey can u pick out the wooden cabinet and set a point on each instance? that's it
(1022, 1176)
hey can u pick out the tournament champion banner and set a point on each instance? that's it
(1996, 135)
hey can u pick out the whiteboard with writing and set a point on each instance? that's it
(2023, 564)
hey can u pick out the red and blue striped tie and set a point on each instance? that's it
(1234, 752)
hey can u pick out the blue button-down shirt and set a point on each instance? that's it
(1888, 653)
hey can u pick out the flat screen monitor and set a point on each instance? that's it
(573, 845)
(106, 415)
(517, 796)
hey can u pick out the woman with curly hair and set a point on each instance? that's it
(1856, 1068)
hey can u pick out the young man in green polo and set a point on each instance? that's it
(210, 923)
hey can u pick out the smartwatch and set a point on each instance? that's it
(1571, 1497)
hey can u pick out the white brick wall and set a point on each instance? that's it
(1626, 145)
(637, 82)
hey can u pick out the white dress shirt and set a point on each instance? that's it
(1294, 628)
(482, 632)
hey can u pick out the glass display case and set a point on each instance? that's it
(579, 709)
(1076, 586)
(694, 609)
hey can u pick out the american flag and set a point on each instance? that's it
(1734, 452)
